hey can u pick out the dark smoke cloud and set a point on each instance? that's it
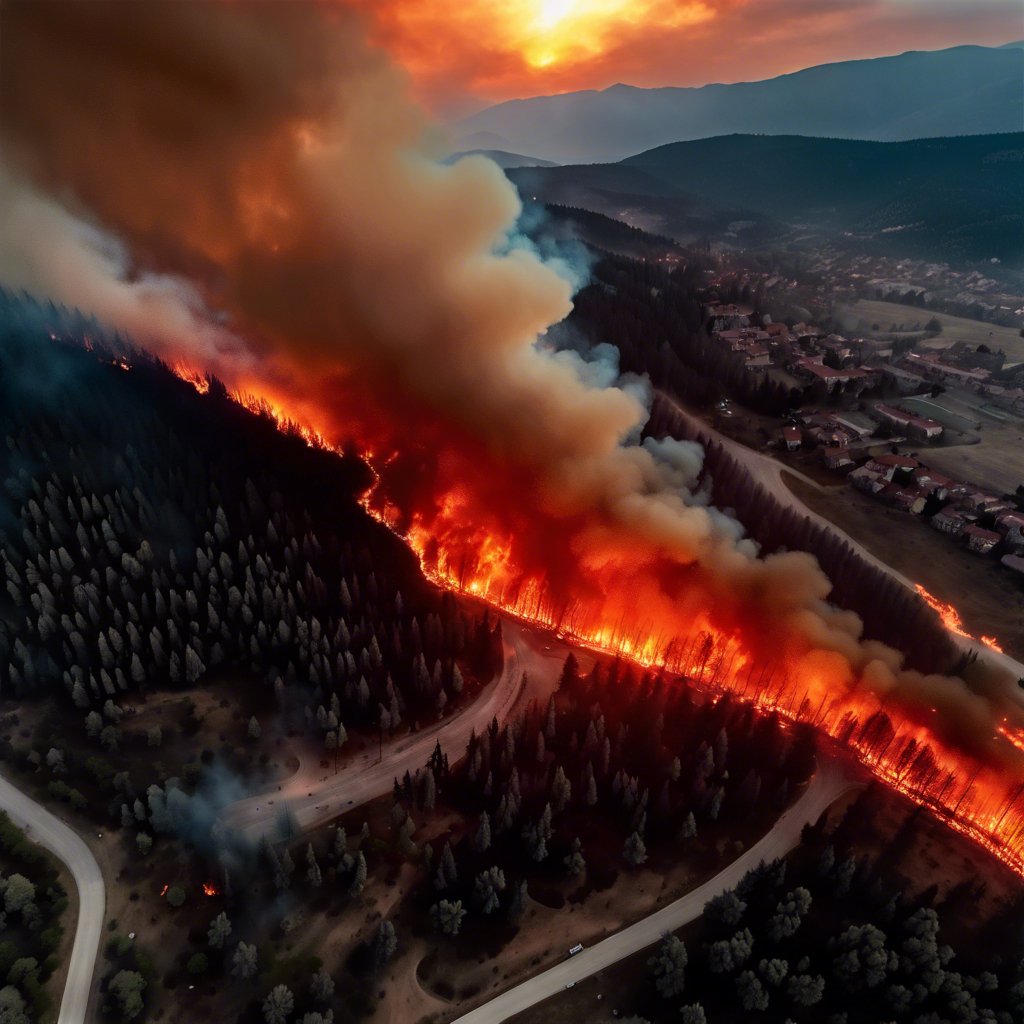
(272, 183)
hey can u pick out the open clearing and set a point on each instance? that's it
(864, 313)
(996, 463)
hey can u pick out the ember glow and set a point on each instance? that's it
(388, 305)
(209, 889)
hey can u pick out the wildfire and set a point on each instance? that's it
(163, 891)
(209, 889)
(971, 798)
(1015, 737)
(952, 621)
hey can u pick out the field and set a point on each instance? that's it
(864, 313)
(988, 599)
(995, 463)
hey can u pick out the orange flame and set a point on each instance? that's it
(951, 619)
(209, 889)
(971, 798)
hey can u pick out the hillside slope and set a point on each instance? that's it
(955, 199)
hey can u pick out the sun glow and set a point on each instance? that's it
(568, 31)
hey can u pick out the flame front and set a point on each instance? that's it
(319, 259)
(951, 619)
(972, 797)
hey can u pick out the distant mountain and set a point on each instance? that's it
(502, 158)
(955, 199)
(965, 90)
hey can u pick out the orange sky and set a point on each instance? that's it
(464, 54)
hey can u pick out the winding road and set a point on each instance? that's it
(829, 783)
(312, 801)
(49, 831)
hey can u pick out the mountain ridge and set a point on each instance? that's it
(920, 93)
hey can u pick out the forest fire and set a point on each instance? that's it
(951, 619)
(970, 797)
(209, 889)
(321, 257)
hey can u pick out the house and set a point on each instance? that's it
(933, 483)
(979, 501)
(791, 438)
(929, 365)
(980, 541)
(915, 426)
(905, 382)
(1011, 526)
(886, 466)
(806, 333)
(906, 499)
(854, 423)
(813, 368)
(865, 479)
(870, 348)
(951, 521)
(829, 437)
(836, 458)
(1006, 522)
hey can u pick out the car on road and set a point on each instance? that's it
(578, 948)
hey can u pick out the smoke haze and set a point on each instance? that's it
(201, 175)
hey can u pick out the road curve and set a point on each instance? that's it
(49, 831)
(313, 802)
(767, 472)
(828, 783)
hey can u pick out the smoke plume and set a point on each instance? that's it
(246, 188)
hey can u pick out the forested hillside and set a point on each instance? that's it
(152, 535)
(950, 199)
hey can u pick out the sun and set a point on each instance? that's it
(554, 11)
(561, 30)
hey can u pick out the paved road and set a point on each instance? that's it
(314, 801)
(768, 473)
(829, 783)
(51, 832)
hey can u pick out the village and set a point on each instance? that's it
(886, 413)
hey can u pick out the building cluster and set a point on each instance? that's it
(813, 358)
(983, 522)
(966, 292)
(804, 350)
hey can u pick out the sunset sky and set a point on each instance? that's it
(466, 54)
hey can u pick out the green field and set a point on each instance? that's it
(867, 312)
